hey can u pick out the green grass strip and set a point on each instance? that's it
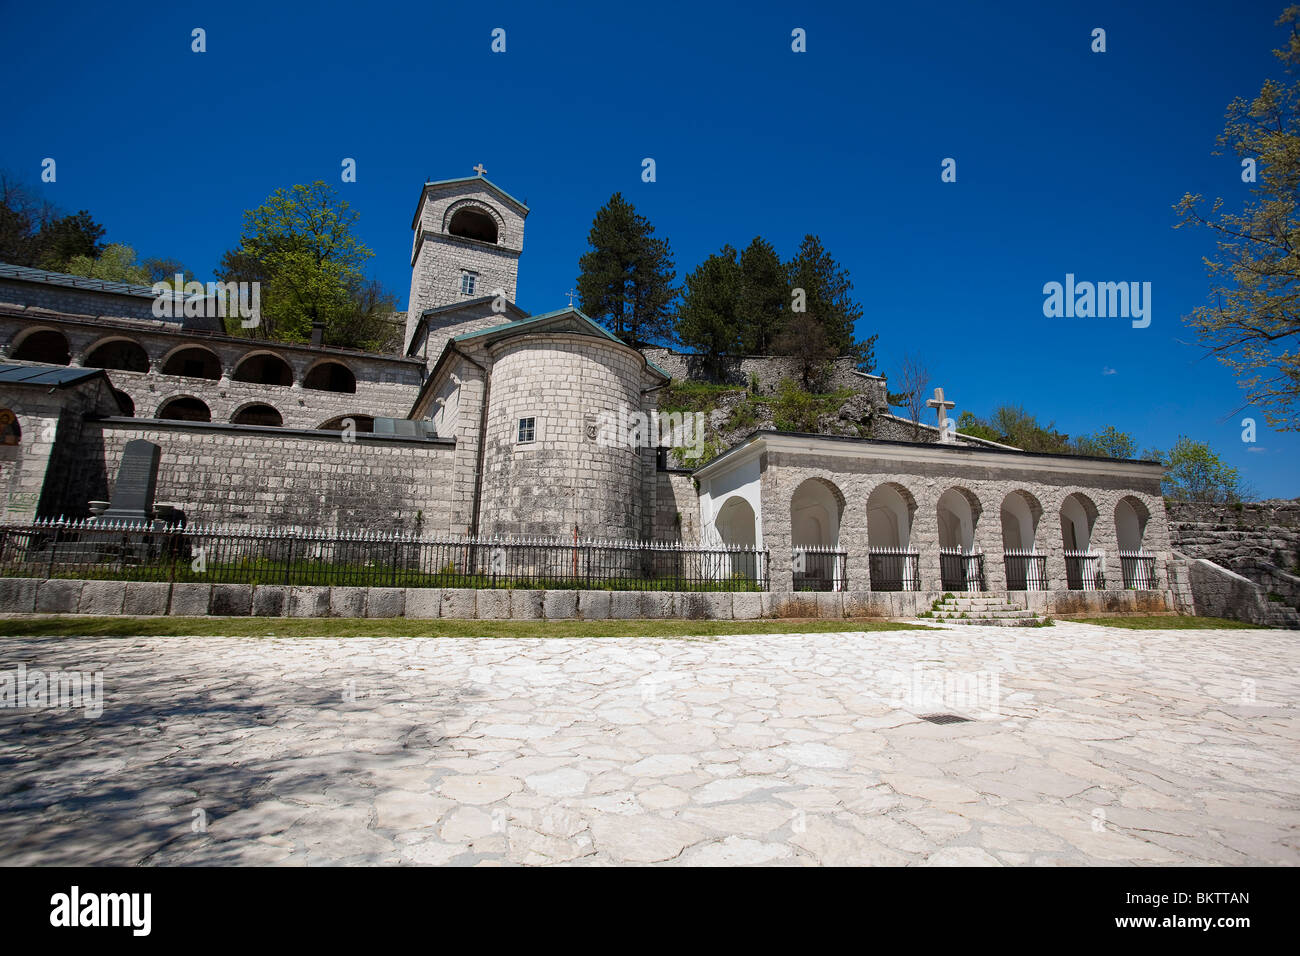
(1173, 622)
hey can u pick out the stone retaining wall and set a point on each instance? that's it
(56, 596)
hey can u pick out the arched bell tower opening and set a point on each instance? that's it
(469, 234)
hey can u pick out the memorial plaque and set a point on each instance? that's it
(137, 478)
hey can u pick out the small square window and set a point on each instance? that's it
(527, 430)
(468, 282)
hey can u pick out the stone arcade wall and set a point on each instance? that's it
(272, 476)
(385, 385)
(855, 479)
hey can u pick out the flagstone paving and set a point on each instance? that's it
(1089, 746)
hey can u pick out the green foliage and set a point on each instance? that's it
(708, 320)
(764, 297)
(694, 396)
(968, 424)
(829, 303)
(625, 280)
(117, 263)
(300, 245)
(1110, 442)
(33, 232)
(795, 410)
(1193, 472)
(1252, 323)
(1012, 425)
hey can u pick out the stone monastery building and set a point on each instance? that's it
(488, 423)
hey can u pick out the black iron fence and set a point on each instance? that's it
(1026, 571)
(894, 569)
(1138, 570)
(298, 556)
(961, 570)
(1083, 571)
(819, 568)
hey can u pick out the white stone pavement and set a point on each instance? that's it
(1102, 746)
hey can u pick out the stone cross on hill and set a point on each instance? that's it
(941, 408)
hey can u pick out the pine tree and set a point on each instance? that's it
(828, 300)
(625, 280)
(764, 296)
(708, 321)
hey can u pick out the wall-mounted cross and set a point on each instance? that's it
(941, 408)
(480, 170)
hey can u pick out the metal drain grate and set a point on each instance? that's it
(945, 719)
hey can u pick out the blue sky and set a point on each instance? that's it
(1067, 161)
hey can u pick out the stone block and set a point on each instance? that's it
(190, 600)
(309, 601)
(719, 603)
(526, 605)
(690, 605)
(102, 597)
(18, 595)
(348, 602)
(867, 604)
(658, 605)
(58, 597)
(803, 604)
(560, 605)
(746, 605)
(423, 602)
(493, 604)
(593, 605)
(269, 600)
(385, 602)
(625, 605)
(232, 600)
(459, 603)
(145, 597)
(830, 604)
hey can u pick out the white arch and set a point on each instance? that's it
(889, 519)
(815, 515)
(956, 520)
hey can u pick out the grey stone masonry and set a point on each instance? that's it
(273, 477)
(439, 257)
(385, 385)
(25, 595)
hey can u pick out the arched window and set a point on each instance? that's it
(331, 377)
(44, 345)
(257, 415)
(185, 409)
(264, 369)
(120, 354)
(193, 362)
(471, 223)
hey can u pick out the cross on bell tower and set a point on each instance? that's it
(941, 408)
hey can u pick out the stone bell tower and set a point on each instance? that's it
(468, 236)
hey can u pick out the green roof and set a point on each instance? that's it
(520, 323)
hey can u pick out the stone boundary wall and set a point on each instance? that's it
(770, 369)
(271, 476)
(58, 596)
